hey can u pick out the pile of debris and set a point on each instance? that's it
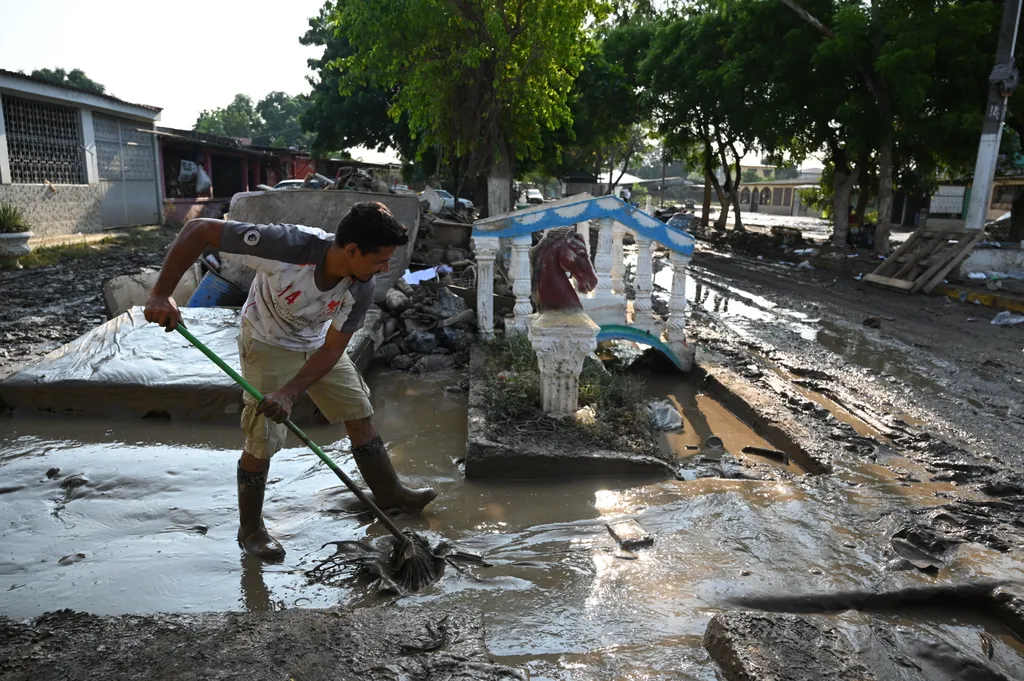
(348, 179)
(427, 328)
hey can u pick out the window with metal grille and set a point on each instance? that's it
(787, 198)
(44, 142)
(777, 196)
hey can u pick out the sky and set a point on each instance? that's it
(184, 57)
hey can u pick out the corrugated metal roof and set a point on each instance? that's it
(43, 81)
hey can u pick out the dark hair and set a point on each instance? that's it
(370, 226)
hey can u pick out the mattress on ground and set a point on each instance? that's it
(130, 368)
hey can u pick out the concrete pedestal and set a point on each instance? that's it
(562, 340)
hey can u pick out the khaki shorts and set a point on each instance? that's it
(341, 395)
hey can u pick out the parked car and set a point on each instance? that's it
(449, 201)
(534, 196)
(300, 184)
(682, 221)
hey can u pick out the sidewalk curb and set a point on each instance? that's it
(993, 300)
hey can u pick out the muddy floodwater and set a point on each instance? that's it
(140, 517)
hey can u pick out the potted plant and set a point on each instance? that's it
(14, 236)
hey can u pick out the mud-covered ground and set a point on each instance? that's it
(45, 307)
(915, 424)
(939, 362)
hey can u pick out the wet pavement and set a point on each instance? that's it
(140, 518)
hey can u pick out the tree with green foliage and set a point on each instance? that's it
(282, 120)
(706, 110)
(75, 78)
(273, 122)
(237, 119)
(479, 80)
(866, 80)
(359, 117)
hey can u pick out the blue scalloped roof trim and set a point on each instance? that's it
(532, 220)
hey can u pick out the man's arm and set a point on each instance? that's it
(194, 238)
(277, 406)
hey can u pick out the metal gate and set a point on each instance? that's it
(127, 173)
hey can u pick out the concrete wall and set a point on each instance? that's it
(323, 209)
(179, 211)
(1009, 258)
(72, 208)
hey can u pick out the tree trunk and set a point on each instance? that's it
(738, 224)
(884, 197)
(661, 201)
(728, 188)
(843, 183)
(723, 214)
(1017, 218)
(707, 204)
(499, 186)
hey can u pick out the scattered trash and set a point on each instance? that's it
(853, 255)
(805, 251)
(770, 453)
(972, 319)
(873, 322)
(586, 416)
(859, 276)
(760, 257)
(425, 275)
(805, 265)
(686, 474)
(73, 558)
(977, 276)
(713, 448)
(1005, 318)
(630, 535)
(396, 301)
(664, 416)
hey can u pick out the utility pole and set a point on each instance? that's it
(1002, 82)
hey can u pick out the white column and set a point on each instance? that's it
(603, 261)
(643, 317)
(521, 283)
(5, 159)
(92, 168)
(618, 266)
(647, 207)
(604, 304)
(486, 250)
(562, 341)
(675, 329)
(583, 229)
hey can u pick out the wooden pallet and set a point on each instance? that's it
(925, 258)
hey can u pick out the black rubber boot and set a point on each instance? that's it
(380, 476)
(252, 534)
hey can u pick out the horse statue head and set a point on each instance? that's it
(561, 251)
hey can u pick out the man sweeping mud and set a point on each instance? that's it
(311, 293)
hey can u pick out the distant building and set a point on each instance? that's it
(779, 197)
(76, 161)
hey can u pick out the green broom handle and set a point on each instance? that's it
(383, 517)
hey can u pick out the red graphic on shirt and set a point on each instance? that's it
(291, 298)
(286, 288)
(333, 305)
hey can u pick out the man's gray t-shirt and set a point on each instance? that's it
(285, 306)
